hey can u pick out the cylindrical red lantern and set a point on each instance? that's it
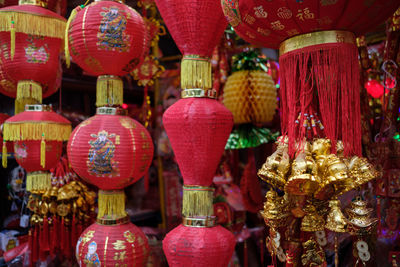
(37, 133)
(107, 39)
(109, 150)
(123, 244)
(31, 38)
(196, 246)
(318, 59)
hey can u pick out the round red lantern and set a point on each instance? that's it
(37, 133)
(196, 246)
(31, 39)
(123, 244)
(109, 150)
(318, 60)
(107, 39)
(57, 6)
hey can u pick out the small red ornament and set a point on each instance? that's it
(110, 151)
(374, 88)
(112, 245)
(106, 38)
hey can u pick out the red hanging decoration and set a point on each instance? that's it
(318, 62)
(374, 88)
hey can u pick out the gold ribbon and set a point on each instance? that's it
(316, 38)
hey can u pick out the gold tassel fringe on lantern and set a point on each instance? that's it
(28, 93)
(35, 131)
(197, 201)
(66, 43)
(28, 23)
(196, 72)
(37, 182)
(4, 155)
(109, 91)
(111, 204)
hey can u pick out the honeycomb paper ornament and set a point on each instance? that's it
(251, 96)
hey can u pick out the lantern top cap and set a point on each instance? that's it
(38, 107)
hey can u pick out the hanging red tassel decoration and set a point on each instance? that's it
(54, 236)
(44, 246)
(62, 236)
(250, 186)
(30, 242)
(73, 230)
(67, 240)
(35, 244)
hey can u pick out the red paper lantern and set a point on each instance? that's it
(196, 27)
(57, 6)
(268, 23)
(374, 88)
(31, 39)
(112, 245)
(198, 129)
(110, 151)
(37, 133)
(318, 53)
(195, 246)
(107, 38)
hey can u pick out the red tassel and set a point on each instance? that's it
(35, 244)
(67, 240)
(62, 236)
(45, 235)
(55, 235)
(30, 242)
(245, 255)
(74, 233)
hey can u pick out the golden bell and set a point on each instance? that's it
(321, 147)
(276, 166)
(362, 171)
(312, 221)
(335, 220)
(303, 179)
(275, 211)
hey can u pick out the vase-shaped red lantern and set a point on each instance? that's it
(123, 244)
(106, 39)
(198, 127)
(196, 27)
(31, 39)
(318, 59)
(37, 134)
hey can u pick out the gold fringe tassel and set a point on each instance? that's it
(35, 130)
(38, 181)
(196, 72)
(197, 201)
(4, 155)
(28, 93)
(111, 204)
(32, 24)
(12, 38)
(109, 91)
(66, 44)
(43, 152)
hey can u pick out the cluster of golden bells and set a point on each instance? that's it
(315, 171)
(312, 181)
(74, 198)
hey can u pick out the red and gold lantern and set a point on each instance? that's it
(107, 39)
(31, 40)
(318, 59)
(198, 127)
(37, 134)
(118, 245)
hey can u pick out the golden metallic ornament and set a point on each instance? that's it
(275, 211)
(312, 221)
(335, 221)
(359, 219)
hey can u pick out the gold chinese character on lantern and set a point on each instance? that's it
(119, 245)
(120, 256)
(303, 14)
(284, 13)
(277, 25)
(249, 19)
(87, 237)
(264, 32)
(129, 236)
(260, 13)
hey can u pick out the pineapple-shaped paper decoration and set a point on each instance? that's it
(250, 93)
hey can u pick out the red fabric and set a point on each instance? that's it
(115, 52)
(198, 129)
(195, 25)
(122, 158)
(193, 246)
(36, 58)
(27, 154)
(38, 116)
(268, 23)
(113, 245)
(327, 74)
